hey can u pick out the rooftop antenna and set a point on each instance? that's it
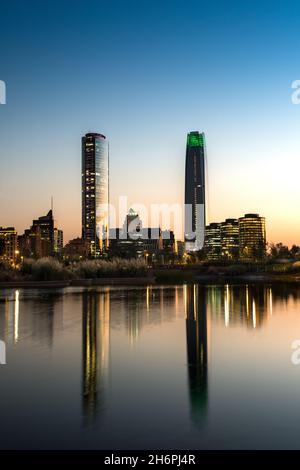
(52, 203)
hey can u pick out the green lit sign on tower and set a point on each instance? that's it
(195, 139)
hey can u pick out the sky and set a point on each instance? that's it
(144, 73)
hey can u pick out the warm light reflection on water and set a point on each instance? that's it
(157, 367)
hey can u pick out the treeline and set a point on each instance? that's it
(280, 251)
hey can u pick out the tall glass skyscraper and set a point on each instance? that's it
(95, 191)
(195, 191)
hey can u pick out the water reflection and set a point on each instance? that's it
(44, 315)
(16, 317)
(95, 351)
(248, 305)
(134, 316)
(175, 355)
(197, 355)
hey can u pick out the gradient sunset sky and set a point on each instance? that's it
(144, 73)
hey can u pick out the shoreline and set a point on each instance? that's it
(144, 281)
(79, 283)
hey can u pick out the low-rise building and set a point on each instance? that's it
(77, 249)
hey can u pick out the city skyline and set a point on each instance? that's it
(96, 228)
(179, 228)
(145, 103)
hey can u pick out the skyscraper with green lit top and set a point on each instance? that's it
(195, 218)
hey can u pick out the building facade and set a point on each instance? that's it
(233, 239)
(95, 192)
(58, 242)
(76, 249)
(252, 237)
(8, 245)
(213, 245)
(135, 241)
(195, 216)
(230, 239)
(46, 225)
(33, 245)
(42, 239)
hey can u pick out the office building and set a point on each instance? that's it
(213, 241)
(135, 241)
(42, 239)
(95, 192)
(8, 245)
(76, 249)
(195, 191)
(252, 237)
(58, 241)
(230, 239)
(33, 245)
(46, 225)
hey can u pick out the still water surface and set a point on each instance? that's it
(187, 367)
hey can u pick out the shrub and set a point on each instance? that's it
(27, 266)
(48, 269)
(7, 274)
(117, 267)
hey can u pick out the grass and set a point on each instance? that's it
(50, 269)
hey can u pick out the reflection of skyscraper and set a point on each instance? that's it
(194, 191)
(95, 194)
(196, 335)
(134, 313)
(95, 349)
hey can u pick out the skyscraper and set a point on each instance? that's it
(195, 191)
(95, 193)
(46, 224)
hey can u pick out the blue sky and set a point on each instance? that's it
(145, 73)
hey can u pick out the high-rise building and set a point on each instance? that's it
(32, 245)
(252, 237)
(41, 239)
(58, 241)
(95, 191)
(213, 241)
(195, 191)
(46, 224)
(230, 239)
